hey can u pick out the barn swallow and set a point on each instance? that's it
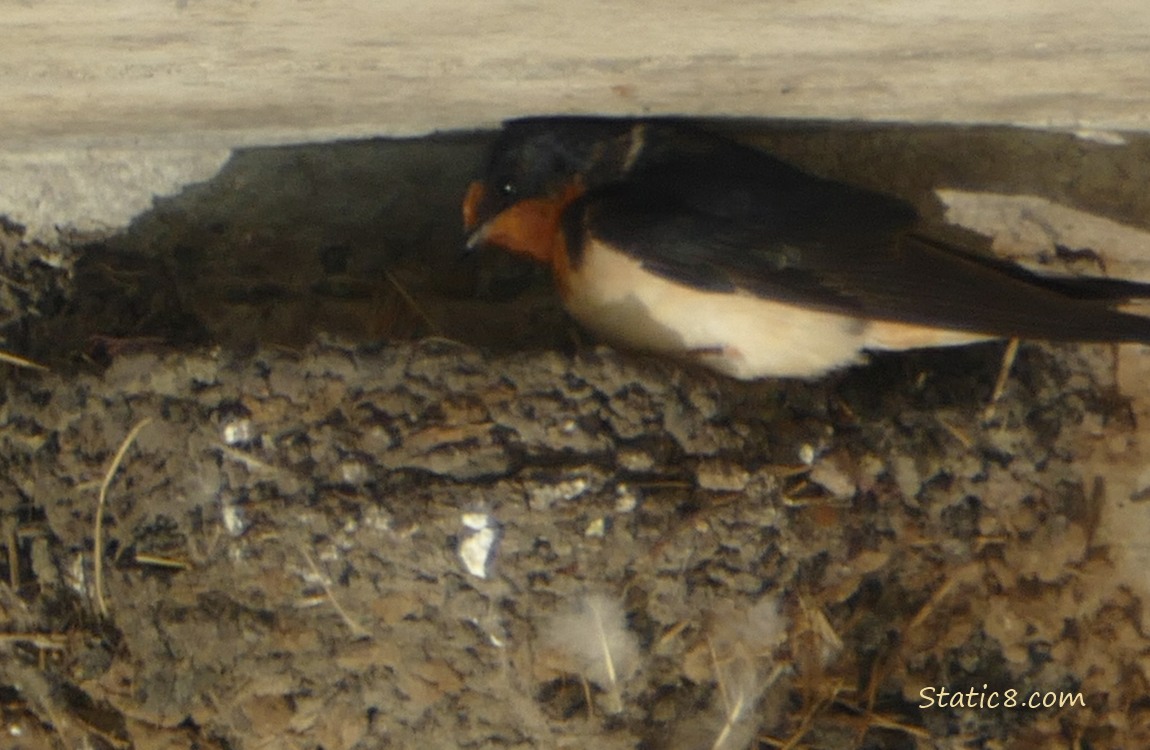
(664, 237)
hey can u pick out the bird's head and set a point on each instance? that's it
(535, 170)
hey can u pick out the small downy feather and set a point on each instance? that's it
(594, 639)
(739, 647)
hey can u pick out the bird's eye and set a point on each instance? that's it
(507, 188)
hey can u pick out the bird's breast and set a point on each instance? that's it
(735, 333)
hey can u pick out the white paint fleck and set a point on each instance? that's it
(807, 454)
(596, 529)
(476, 521)
(475, 551)
(239, 431)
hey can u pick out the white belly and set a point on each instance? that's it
(737, 334)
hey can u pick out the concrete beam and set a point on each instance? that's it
(133, 87)
(219, 72)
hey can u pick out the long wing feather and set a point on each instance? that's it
(816, 249)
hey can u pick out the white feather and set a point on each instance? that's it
(742, 643)
(595, 639)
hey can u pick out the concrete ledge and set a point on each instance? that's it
(95, 189)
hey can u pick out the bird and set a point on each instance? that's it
(667, 237)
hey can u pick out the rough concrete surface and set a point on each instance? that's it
(347, 489)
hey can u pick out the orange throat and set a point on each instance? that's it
(531, 228)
